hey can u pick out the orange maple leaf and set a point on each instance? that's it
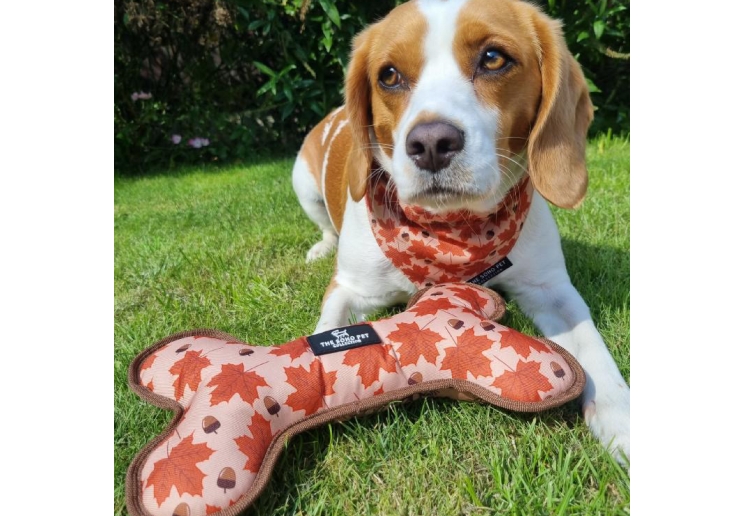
(399, 258)
(415, 342)
(521, 343)
(179, 469)
(310, 387)
(255, 446)
(234, 379)
(422, 251)
(446, 247)
(188, 372)
(471, 297)
(524, 383)
(480, 252)
(431, 306)
(294, 349)
(470, 229)
(388, 229)
(417, 273)
(147, 363)
(509, 232)
(371, 361)
(467, 356)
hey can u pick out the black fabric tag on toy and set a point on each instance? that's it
(341, 339)
(493, 270)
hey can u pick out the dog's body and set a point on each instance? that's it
(453, 102)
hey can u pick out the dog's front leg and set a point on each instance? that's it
(562, 316)
(340, 308)
(343, 305)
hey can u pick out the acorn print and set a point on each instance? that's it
(455, 323)
(226, 480)
(437, 293)
(271, 405)
(425, 234)
(486, 325)
(415, 378)
(557, 370)
(405, 236)
(428, 284)
(210, 424)
(183, 348)
(182, 509)
(490, 234)
(427, 261)
(245, 352)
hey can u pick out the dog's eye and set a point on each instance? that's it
(390, 77)
(492, 60)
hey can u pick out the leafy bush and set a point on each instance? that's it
(220, 80)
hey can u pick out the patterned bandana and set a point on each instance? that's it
(458, 246)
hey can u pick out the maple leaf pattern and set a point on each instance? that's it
(478, 253)
(234, 379)
(372, 360)
(255, 446)
(310, 387)
(179, 469)
(446, 247)
(523, 384)
(293, 350)
(422, 251)
(470, 296)
(456, 246)
(387, 229)
(467, 356)
(147, 363)
(521, 343)
(472, 229)
(509, 232)
(188, 372)
(415, 343)
(399, 258)
(431, 306)
(416, 273)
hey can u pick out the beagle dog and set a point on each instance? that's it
(461, 119)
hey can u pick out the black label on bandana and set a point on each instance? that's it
(341, 339)
(493, 270)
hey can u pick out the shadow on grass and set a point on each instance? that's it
(299, 463)
(601, 274)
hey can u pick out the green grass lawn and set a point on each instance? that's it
(225, 249)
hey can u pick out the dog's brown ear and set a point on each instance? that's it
(359, 111)
(557, 142)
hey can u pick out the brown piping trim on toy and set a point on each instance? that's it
(341, 412)
(133, 483)
(497, 299)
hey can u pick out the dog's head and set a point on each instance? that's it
(454, 98)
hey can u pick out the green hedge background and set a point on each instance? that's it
(200, 81)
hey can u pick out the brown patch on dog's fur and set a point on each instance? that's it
(395, 41)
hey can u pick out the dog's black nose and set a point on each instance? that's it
(432, 145)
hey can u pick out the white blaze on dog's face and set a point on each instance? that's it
(459, 97)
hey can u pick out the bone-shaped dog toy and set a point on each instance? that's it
(236, 405)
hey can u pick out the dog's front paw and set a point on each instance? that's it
(608, 417)
(322, 248)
